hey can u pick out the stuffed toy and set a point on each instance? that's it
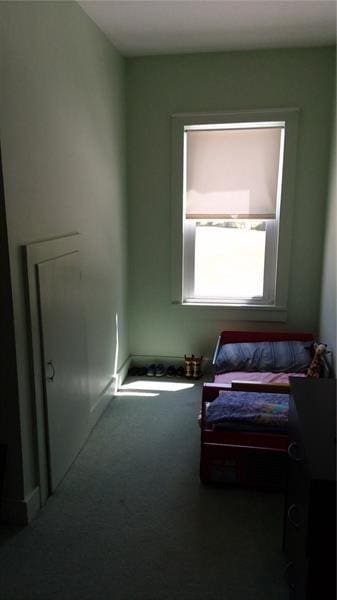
(315, 368)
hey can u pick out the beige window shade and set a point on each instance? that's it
(232, 173)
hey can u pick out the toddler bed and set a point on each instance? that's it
(244, 411)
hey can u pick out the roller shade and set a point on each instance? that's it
(232, 173)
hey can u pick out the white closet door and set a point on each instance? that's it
(65, 362)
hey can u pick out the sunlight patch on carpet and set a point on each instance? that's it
(132, 393)
(162, 386)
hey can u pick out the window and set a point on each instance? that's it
(231, 202)
(231, 199)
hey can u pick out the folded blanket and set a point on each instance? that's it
(249, 411)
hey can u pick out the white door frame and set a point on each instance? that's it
(35, 253)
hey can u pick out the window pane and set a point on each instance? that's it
(229, 259)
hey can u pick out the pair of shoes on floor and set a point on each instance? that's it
(137, 371)
(173, 371)
(156, 371)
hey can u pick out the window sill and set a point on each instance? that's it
(234, 312)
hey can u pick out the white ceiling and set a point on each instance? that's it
(140, 27)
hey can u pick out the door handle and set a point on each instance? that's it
(52, 368)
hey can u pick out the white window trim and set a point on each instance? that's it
(276, 311)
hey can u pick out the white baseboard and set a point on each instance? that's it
(109, 391)
(103, 399)
(21, 512)
(122, 372)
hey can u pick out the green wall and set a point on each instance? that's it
(157, 87)
(62, 123)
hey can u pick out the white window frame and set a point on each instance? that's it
(273, 306)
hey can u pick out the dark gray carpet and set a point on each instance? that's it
(131, 522)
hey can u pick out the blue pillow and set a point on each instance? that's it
(290, 356)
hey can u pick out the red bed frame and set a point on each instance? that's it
(238, 457)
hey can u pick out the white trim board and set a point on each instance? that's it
(277, 310)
